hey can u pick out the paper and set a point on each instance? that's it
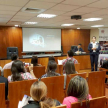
(60, 62)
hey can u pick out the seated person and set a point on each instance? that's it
(51, 58)
(69, 57)
(70, 68)
(78, 48)
(77, 91)
(4, 80)
(34, 61)
(38, 92)
(18, 72)
(51, 69)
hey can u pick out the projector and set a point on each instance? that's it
(76, 17)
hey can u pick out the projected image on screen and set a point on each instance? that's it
(41, 40)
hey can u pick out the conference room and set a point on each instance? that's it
(54, 53)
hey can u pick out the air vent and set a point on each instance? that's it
(33, 10)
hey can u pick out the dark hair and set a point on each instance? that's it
(105, 64)
(80, 44)
(69, 67)
(94, 37)
(34, 60)
(14, 57)
(78, 88)
(17, 68)
(51, 58)
(51, 68)
(70, 53)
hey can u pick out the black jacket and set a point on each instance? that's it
(35, 104)
(76, 49)
(97, 50)
(4, 80)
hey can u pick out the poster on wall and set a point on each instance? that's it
(103, 40)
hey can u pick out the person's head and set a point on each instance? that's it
(51, 58)
(51, 68)
(105, 64)
(78, 88)
(14, 57)
(16, 69)
(79, 45)
(38, 92)
(34, 60)
(70, 53)
(69, 67)
(94, 39)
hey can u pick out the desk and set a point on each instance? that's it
(83, 59)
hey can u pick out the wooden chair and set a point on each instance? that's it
(0, 72)
(103, 69)
(55, 87)
(7, 72)
(77, 67)
(17, 90)
(60, 69)
(62, 106)
(39, 71)
(69, 77)
(99, 102)
(96, 83)
(2, 95)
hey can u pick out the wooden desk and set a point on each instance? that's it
(84, 61)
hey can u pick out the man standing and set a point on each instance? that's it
(78, 48)
(94, 49)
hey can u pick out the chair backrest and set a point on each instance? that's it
(62, 106)
(60, 69)
(7, 72)
(99, 102)
(39, 71)
(103, 69)
(96, 83)
(11, 50)
(0, 72)
(77, 67)
(2, 95)
(17, 90)
(69, 77)
(55, 87)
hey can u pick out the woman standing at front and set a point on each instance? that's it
(94, 49)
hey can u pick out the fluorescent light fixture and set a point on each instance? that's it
(97, 26)
(67, 24)
(78, 28)
(92, 19)
(46, 15)
(16, 25)
(30, 22)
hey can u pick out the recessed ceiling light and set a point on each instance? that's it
(78, 28)
(67, 24)
(30, 22)
(97, 26)
(16, 25)
(92, 19)
(46, 15)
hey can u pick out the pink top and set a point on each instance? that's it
(25, 76)
(68, 100)
(8, 65)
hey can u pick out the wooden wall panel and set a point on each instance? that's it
(12, 37)
(74, 37)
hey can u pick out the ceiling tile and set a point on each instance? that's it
(16, 19)
(36, 19)
(9, 8)
(26, 14)
(64, 7)
(22, 17)
(13, 2)
(86, 10)
(79, 2)
(40, 5)
(55, 1)
(7, 12)
(90, 16)
(72, 13)
(5, 16)
(99, 4)
(101, 12)
(54, 12)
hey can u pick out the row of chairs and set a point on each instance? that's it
(55, 85)
(40, 70)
